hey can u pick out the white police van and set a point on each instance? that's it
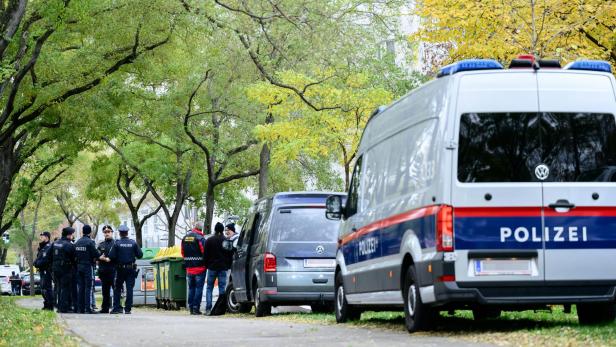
(487, 189)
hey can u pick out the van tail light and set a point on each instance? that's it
(269, 262)
(444, 229)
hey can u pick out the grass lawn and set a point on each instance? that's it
(528, 328)
(24, 327)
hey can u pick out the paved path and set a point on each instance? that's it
(149, 327)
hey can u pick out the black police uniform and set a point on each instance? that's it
(124, 253)
(63, 260)
(86, 255)
(43, 263)
(106, 273)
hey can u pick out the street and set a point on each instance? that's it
(149, 327)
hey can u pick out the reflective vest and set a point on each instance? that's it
(193, 246)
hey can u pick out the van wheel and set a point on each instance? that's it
(322, 308)
(484, 313)
(417, 315)
(233, 306)
(589, 314)
(261, 309)
(344, 311)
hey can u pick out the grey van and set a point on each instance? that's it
(285, 255)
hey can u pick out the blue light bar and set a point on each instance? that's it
(590, 65)
(469, 65)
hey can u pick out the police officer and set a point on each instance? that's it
(106, 268)
(124, 254)
(43, 264)
(63, 259)
(86, 255)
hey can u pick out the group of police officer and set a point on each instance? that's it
(66, 263)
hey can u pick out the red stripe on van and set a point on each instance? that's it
(390, 221)
(496, 212)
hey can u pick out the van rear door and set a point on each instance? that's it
(303, 241)
(496, 198)
(579, 143)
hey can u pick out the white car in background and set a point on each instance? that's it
(5, 285)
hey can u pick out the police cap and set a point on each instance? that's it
(123, 229)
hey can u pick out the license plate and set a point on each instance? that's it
(502, 267)
(311, 263)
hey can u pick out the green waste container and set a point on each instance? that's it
(170, 277)
(150, 252)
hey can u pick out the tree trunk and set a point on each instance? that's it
(95, 231)
(209, 209)
(264, 160)
(7, 172)
(3, 254)
(137, 224)
(347, 175)
(31, 262)
(172, 223)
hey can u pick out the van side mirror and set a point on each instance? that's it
(333, 207)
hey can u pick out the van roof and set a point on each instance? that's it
(301, 197)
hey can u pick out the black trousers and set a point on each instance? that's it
(46, 289)
(65, 284)
(107, 277)
(84, 287)
(124, 276)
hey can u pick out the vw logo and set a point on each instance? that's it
(320, 249)
(542, 172)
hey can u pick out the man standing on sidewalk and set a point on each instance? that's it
(42, 263)
(63, 259)
(86, 255)
(106, 268)
(193, 248)
(216, 261)
(124, 253)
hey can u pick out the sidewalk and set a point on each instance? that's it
(148, 327)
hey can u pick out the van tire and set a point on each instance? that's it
(344, 312)
(417, 315)
(599, 313)
(233, 306)
(485, 313)
(262, 309)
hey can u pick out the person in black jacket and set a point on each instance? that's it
(124, 253)
(106, 268)
(63, 260)
(86, 255)
(216, 261)
(43, 264)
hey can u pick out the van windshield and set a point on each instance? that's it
(507, 147)
(304, 225)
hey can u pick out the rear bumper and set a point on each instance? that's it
(513, 293)
(272, 296)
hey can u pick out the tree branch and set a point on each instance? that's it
(193, 138)
(236, 176)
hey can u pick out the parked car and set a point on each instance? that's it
(7, 270)
(5, 285)
(285, 255)
(25, 284)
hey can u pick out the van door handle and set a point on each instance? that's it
(561, 203)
